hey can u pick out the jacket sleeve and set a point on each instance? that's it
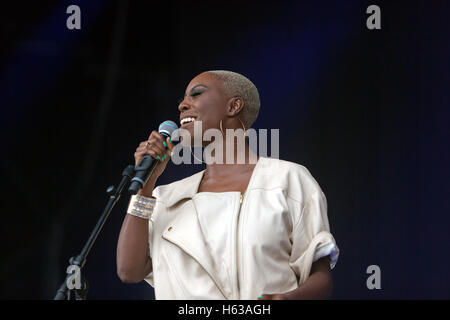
(311, 238)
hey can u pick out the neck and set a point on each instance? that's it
(225, 168)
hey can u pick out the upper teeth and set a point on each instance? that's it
(186, 120)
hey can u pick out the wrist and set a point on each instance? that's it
(145, 193)
(147, 190)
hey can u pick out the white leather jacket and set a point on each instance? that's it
(229, 245)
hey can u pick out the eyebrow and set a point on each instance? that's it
(192, 89)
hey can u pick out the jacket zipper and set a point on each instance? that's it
(241, 199)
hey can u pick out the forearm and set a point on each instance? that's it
(318, 286)
(132, 250)
(133, 262)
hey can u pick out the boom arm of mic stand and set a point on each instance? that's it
(78, 262)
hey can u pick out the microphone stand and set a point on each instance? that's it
(75, 281)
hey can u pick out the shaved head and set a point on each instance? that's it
(236, 84)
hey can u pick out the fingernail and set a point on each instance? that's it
(260, 297)
(158, 157)
(164, 144)
(170, 139)
(164, 157)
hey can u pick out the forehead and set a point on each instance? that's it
(206, 79)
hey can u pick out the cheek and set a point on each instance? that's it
(210, 120)
(211, 111)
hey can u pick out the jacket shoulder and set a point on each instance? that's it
(292, 177)
(286, 166)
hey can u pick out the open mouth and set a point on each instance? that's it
(186, 120)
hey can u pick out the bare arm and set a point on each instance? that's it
(133, 261)
(319, 284)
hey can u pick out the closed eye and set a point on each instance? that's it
(196, 93)
(193, 95)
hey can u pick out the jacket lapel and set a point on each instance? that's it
(185, 231)
(184, 189)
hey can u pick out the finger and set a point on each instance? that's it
(169, 143)
(161, 143)
(142, 151)
(154, 142)
(156, 139)
(152, 153)
(266, 297)
(143, 144)
(158, 149)
(156, 135)
(165, 143)
(138, 155)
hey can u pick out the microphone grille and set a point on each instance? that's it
(167, 128)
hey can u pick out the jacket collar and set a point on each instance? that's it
(185, 188)
(188, 187)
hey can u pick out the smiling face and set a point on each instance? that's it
(205, 101)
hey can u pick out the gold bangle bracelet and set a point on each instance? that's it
(141, 206)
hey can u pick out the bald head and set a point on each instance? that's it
(236, 84)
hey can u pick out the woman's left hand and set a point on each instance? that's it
(318, 285)
(277, 296)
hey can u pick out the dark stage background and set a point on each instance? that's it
(366, 111)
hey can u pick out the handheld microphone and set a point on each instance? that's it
(147, 165)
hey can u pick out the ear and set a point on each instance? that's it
(235, 106)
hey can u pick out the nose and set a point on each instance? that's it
(183, 106)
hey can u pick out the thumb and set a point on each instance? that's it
(170, 147)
